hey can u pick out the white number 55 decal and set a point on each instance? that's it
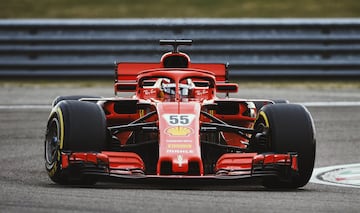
(179, 119)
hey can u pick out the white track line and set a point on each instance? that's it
(25, 106)
(318, 173)
(331, 104)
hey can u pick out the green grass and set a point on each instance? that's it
(178, 8)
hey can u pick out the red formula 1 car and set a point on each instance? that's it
(176, 127)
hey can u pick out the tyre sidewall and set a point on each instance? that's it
(54, 168)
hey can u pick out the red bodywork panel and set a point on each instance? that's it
(127, 71)
(179, 138)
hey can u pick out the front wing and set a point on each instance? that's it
(228, 166)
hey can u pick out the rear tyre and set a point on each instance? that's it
(73, 126)
(290, 129)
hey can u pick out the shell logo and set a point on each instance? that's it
(179, 131)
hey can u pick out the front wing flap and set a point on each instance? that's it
(229, 166)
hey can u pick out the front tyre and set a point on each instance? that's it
(290, 129)
(73, 97)
(73, 126)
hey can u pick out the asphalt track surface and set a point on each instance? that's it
(25, 187)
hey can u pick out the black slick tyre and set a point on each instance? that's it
(260, 104)
(72, 97)
(290, 129)
(73, 126)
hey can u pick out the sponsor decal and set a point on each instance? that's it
(201, 92)
(179, 119)
(179, 151)
(178, 131)
(149, 92)
(178, 141)
(179, 146)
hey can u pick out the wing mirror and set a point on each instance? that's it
(227, 88)
(125, 87)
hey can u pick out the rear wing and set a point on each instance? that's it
(128, 71)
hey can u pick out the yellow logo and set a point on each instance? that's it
(179, 131)
(179, 146)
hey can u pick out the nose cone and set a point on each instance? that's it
(179, 146)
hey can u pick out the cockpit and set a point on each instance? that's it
(185, 88)
(176, 85)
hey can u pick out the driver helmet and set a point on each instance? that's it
(169, 88)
